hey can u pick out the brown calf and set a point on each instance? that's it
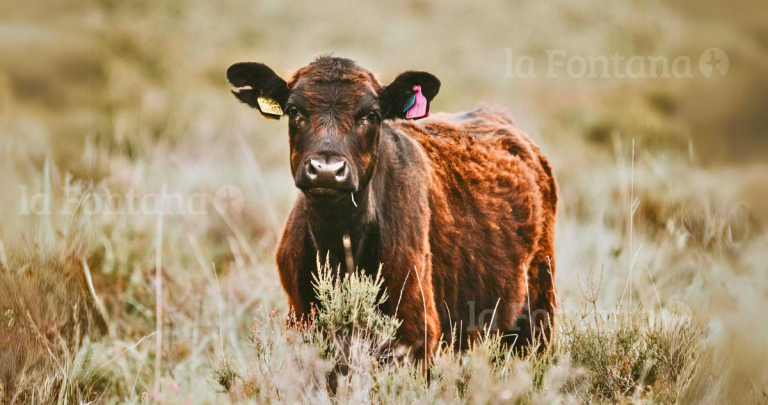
(460, 209)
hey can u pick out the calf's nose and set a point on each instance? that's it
(327, 173)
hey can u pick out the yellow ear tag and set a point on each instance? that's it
(269, 108)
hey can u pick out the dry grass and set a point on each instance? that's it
(119, 97)
(595, 358)
(49, 321)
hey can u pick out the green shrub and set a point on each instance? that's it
(350, 306)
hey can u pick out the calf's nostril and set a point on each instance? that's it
(312, 169)
(342, 172)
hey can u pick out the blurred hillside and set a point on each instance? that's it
(123, 73)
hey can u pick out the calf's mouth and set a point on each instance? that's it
(328, 195)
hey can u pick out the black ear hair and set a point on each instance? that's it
(394, 97)
(262, 80)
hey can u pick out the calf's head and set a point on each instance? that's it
(334, 109)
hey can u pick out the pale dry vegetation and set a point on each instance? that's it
(662, 260)
(597, 358)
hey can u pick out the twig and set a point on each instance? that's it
(631, 220)
(397, 307)
(528, 296)
(493, 315)
(450, 321)
(96, 300)
(633, 205)
(218, 290)
(552, 277)
(159, 290)
(133, 390)
(629, 280)
(200, 258)
(401, 292)
(123, 352)
(655, 290)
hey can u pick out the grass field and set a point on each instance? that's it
(662, 254)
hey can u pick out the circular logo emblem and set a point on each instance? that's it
(229, 198)
(713, 63)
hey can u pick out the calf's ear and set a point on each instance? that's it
(258, 86)
(399, 97)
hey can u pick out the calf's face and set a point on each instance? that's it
(335, 110)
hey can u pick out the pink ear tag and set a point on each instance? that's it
(419, 109)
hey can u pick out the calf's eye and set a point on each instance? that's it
(372, 116)
(293, 112)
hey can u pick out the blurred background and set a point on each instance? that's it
(128, 76)
(120, 96)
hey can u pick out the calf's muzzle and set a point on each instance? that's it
(326, 176)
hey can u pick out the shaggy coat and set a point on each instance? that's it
(459, 209)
